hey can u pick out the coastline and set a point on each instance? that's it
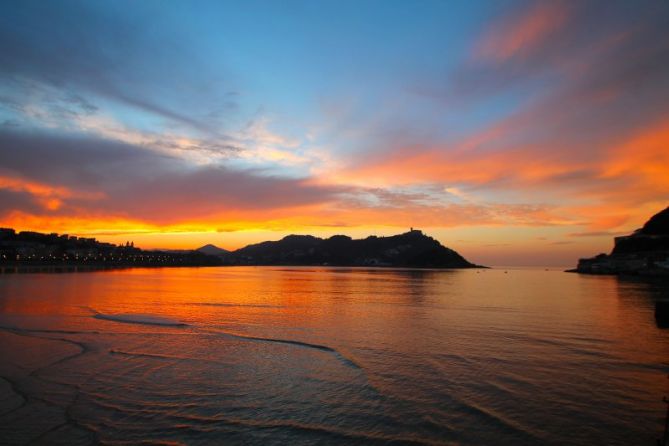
(53, 268)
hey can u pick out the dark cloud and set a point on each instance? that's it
(207, 191)
(126, 180)
(75, 161)
(18, 201)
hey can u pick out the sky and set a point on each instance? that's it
(516, 132)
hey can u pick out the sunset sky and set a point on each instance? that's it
(514, 132)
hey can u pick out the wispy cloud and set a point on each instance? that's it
(525, 32)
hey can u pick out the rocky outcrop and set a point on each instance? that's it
(644, 252)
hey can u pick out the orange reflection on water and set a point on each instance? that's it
(532, 349)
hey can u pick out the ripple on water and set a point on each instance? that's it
(142, 319)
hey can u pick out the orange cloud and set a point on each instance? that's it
(448, 165)
(48, 197)
(43, 190)
(614, 188)
(645, 154)
(34, 188)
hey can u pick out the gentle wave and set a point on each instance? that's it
(148, 355)
(142, 319)
(18, 330)
(490, 416)
(347, 361)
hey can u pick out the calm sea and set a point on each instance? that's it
(330, 356)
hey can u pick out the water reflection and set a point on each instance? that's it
(649, 291)
(333, 355)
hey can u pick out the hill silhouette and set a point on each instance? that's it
(644, 252)
(411, 249)
(212, 250)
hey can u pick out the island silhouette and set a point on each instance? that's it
(412, 249)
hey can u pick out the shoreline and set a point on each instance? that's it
(84, 268)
